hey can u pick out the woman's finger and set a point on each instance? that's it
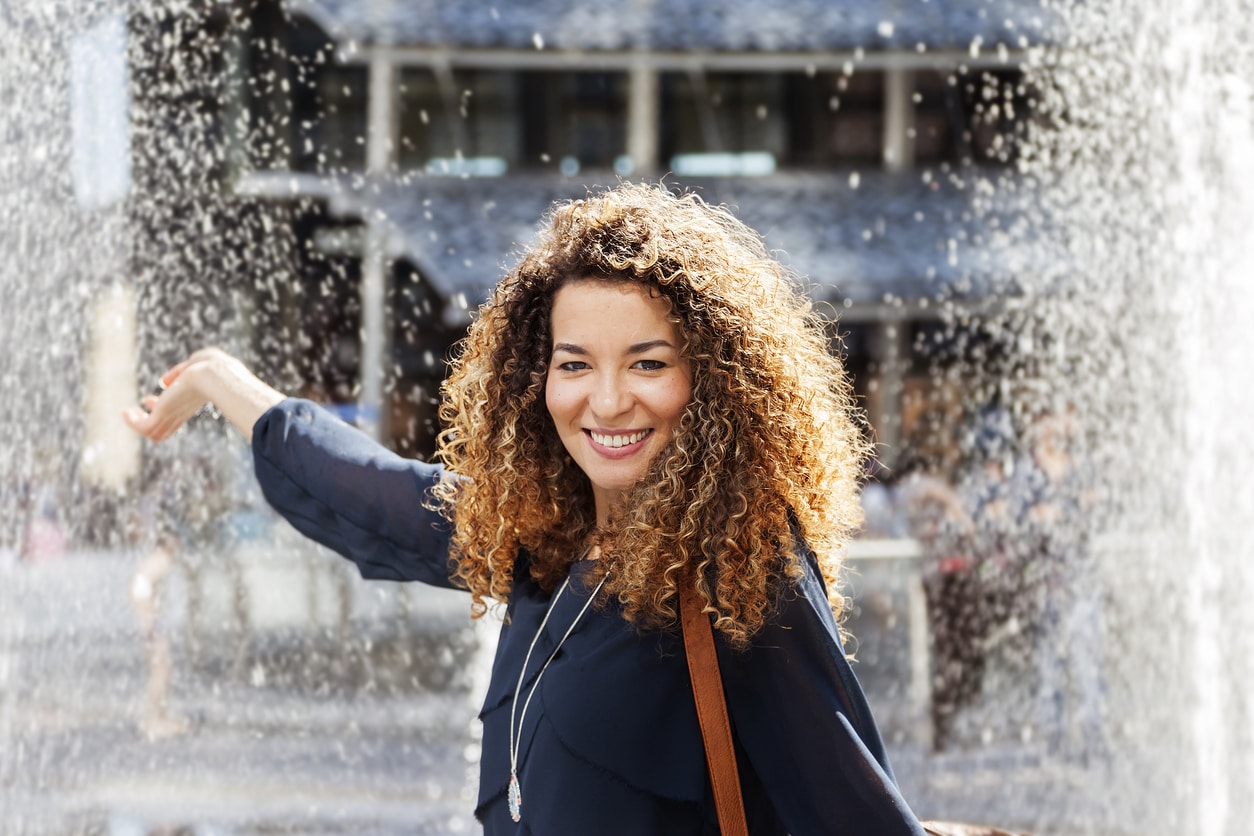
(139, 420)
(174, 371)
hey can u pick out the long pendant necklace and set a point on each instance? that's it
(515, 791)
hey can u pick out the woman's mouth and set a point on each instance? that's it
(617, 441)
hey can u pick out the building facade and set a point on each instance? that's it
(415, 147)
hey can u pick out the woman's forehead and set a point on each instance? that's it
(598, 310)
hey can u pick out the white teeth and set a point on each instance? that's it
(618, 440)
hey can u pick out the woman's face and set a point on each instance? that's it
(617, 384)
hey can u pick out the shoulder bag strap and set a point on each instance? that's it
(707, 690)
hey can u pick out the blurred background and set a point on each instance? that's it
(1030, 222)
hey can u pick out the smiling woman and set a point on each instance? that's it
(617, 384)
(645, 410)
(766, 444)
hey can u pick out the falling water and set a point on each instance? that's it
(307, 699)
(1134, 311)
(1214, 135)
(1125, 297)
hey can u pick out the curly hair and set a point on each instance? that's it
(770, 438)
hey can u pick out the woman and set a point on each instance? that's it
(646, 402)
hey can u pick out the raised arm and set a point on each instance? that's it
(329, 480)
(208, 376)
(350, 493)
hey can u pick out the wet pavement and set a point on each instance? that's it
(288, 734)
(282, 736)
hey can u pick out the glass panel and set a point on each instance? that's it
(977, 117)
(996, 104)
(835, 118)
(341, 132)
(938, 119)
(722, 112)
(680, 118)
(487, 103)
(823, 119)
(328, 104)
(470, 116)
(426, 122)
(420, 341)
(573, 119)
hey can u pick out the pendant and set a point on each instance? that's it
(515, 798)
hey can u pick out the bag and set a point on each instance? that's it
(720, 754)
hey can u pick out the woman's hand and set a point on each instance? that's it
(208, 376)
(162, 415)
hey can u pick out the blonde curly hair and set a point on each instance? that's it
(770, 438)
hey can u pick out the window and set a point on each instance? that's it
(721, 113)
(835, 118)
(295, 106)
(463, 122)
(483, 122)
(573, 120)
(975, 117)
(328, 101)
(419, 343)
(426, 129)
(337, 140)
(798, 119)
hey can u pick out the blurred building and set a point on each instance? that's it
(414, 146)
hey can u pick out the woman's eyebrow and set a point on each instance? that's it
(640, 348)
(634, 348)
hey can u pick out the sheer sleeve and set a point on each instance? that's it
(346, 491)
(803, 722)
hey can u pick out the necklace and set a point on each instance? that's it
(515, 791)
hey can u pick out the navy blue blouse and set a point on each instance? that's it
(611, 743)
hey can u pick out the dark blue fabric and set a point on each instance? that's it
(611, 743)
(337, 486)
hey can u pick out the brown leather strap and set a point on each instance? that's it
(707, 690)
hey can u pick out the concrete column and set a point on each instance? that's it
(898, 119)
(381, 113)
(642, 117)
(381, 122)
(892, 356)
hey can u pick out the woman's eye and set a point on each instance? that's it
(651, 365)
(572, 366)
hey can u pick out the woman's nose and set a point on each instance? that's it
(611, 396)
